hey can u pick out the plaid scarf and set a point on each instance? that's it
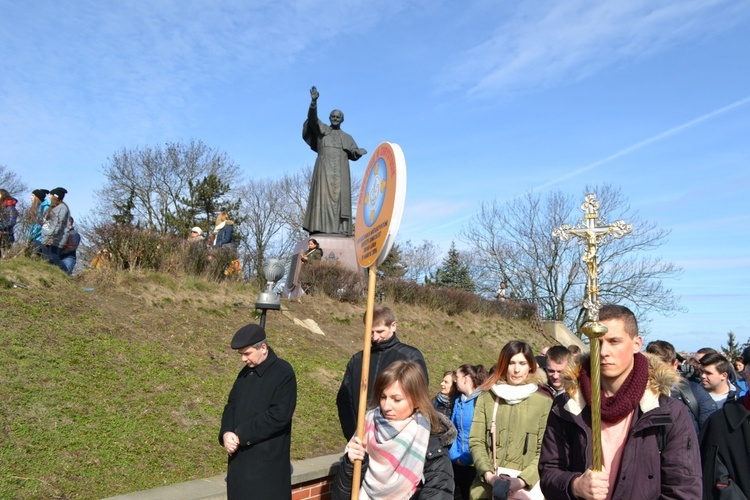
(397, 452)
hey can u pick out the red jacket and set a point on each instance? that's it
(661, 458)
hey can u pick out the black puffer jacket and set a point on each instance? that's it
(438, 473)
(381, 356)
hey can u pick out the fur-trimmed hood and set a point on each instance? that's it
(448, 432)
(661, 379)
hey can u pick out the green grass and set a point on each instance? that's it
(121, 389)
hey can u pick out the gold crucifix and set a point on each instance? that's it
(593, 236)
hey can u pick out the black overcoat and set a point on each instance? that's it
(725, 449)
(259, 411)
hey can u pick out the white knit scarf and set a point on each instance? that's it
(514, 394)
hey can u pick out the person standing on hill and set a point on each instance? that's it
(68, 252)
(386, 349)
(223, 232)
(55, 227)
(313, 253)
(39, 206)
(256, 426)
(8, 219)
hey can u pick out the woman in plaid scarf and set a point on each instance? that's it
(404, 452)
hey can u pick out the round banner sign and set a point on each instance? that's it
(380, 205)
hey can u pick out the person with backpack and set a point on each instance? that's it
(68, 252)
(55, 227)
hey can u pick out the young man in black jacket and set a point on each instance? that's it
(386, 348)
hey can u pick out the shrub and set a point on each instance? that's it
(129, 248)
(334, 280)
(450, 300)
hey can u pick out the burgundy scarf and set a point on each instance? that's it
(746, 401)
(619, 406)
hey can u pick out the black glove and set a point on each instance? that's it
(500, 489)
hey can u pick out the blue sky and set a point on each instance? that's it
(488, 99)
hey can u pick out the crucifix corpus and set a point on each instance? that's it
(593, 232)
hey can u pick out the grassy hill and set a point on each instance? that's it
(115, 382)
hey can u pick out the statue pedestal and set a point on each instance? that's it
(336, 249)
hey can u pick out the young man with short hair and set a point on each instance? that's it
(556, 362)
(725, 442)
(648, 441)
(715, 378)
(692, 394)
(386, 349)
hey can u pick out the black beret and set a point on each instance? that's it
(41, 194)
(248, 335)
(59, 192)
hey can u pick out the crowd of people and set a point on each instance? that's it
(670, 427)
(50, 227)
(49, 230)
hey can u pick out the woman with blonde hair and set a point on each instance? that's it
(39, 205)
(404, 452)
(223, 231)
(508, 426)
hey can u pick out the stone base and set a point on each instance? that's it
(336, 249)
(561, 333)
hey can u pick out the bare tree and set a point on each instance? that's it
(420, 261)
(296, 188)
(513, 243)
(155, 180)
(11, 182)
(265, 234)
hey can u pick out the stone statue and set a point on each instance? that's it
(329, 206)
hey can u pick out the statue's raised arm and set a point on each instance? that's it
(314, 94)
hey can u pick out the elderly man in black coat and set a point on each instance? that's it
(256, 425)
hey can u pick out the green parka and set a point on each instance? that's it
(520, 428)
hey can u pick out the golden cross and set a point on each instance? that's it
(593, 236)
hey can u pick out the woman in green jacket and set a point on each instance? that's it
(507, 453)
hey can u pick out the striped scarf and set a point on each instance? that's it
(397, 452)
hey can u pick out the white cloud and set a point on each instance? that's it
(545, 42)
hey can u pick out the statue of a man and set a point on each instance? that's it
(329, 206)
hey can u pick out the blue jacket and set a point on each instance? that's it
(463, 414)
(35, 231)
(225, 234)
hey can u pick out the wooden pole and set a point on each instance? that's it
(357, 476)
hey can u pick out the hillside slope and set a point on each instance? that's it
(115, 382)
